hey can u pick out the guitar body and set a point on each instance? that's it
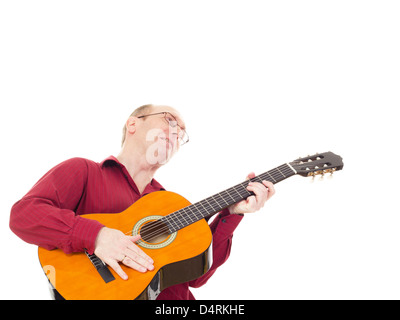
(178, 257)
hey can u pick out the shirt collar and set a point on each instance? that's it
(111, 160)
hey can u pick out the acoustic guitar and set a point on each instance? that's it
(173, 232)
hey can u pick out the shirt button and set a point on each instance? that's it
(224, 220)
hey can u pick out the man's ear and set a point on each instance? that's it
(131, 125)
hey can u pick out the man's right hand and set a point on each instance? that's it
(112, 246)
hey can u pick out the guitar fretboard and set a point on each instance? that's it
(211, 205)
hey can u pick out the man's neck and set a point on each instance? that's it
(138, 168)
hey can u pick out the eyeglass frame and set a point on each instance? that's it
(169, 123)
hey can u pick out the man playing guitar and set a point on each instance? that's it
(49, 215)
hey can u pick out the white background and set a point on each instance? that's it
(259, 83)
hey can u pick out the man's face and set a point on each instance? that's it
(160, 133)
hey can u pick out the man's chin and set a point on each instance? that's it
(159, 156)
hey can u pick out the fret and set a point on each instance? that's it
(201, 203)
(209, 204)
(259, 178)
(168, 221)
(184, 215)
(226, 191)
(219, 207)
(223, 199)
(243, 192)
(191, 215)
(238, 192)
(174, 223)
(280, 172)
(196, 213)
(276, 174)
(237, 195)
(270, 176)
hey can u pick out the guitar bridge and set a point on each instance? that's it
(101, 267)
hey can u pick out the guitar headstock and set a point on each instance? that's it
(317, 164)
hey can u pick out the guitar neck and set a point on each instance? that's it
(211, 205)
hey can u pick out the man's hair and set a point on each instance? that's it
(141, 111)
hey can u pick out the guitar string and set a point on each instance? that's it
(158, 231)
(177, 216)
(233, 189)
(174, 217)
(165, 229)
(155, 225)
(160, 226)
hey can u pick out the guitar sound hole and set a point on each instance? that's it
(154, 232)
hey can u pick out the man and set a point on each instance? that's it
(49, 215)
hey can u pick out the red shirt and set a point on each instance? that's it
(49, 214)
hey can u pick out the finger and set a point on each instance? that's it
(134, 264)
(251, 204)
(139, 260)
(251, 175)
(271, 188)
(260, 191)
(135, 238)
(117, 268)
(261, 194)
(137, 250)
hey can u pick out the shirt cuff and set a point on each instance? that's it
(84, 234)
(228, 222)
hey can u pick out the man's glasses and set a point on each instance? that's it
(172, 122)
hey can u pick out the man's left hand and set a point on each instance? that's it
(262, 192)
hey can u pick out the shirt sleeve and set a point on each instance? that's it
(222, 228)
(45, 216)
